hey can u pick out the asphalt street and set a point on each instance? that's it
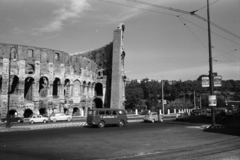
(167, 140)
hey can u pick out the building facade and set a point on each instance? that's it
(37, 80)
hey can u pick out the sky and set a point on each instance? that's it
(160, 43)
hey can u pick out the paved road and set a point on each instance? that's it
(168, 140)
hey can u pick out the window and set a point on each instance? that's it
(57, 58)
(108, 112)
(114, 113)
(30, 53)
(101, 113)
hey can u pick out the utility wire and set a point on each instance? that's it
(207, 47)
(137, 7)
(192, 33)
(184, 12)
(206, 30)
(201, 8)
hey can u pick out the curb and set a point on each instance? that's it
(213, 127)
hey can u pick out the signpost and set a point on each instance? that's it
(217, 81)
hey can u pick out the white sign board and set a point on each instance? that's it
(217, 81)
(205, 81)
(212, 100)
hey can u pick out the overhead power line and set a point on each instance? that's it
(193, 13)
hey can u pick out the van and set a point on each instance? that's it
(105, 116)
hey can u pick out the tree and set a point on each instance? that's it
(134, 94)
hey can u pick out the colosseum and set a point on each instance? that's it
(37, 80)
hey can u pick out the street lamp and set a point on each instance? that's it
(13, 50)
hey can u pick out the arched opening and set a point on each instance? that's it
(0, 84)
(28, 89)
(43, 112)
(27, 113)
(67, 88)
(14, 81)
(88, 88)
(43, 87)
(84, 87)
(12, 113)
(98, 103)
(65, 110)
(76, 111)
(56, 87)
(99, 89)
(76, 88)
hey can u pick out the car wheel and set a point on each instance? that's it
(153, 120)
(5, 121)
(69, 119)
(54, 120)
(101, 124)
(32, 122)
(44, 121)
(121, 123)
(19, 121)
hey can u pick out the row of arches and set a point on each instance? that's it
(56, 88)
(42, 111)
(76, 111)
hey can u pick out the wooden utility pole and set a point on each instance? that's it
(210, 64)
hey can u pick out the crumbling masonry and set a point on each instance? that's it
(43, 80)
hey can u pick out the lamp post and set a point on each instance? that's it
(13, 50)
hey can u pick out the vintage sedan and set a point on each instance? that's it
(182, 116)
(60, 117)
(153, 117)
(13, 119)
(38, 119)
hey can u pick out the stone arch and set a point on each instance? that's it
(88, 87)
(0, 83)
(67, 88)
(14, 81)
(43, 87)
(56, 87)
(84, 87)
(43, 111)
(99, 89)
(28, 88)
(12, 113)
(76, 111)
(27, 113)
(76, 88)
(98, 103)
(65, 110)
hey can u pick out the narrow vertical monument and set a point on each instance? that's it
(118, 76)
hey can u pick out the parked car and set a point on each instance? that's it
(182, 116)
(153, 117)
(13, 119)
(196, 112)
(60, 117)
(145, 112)
(38, 119)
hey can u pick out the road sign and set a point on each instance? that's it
(212, 100)
(205, 81)
(217, 81)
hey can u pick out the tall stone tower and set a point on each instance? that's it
(118, 76)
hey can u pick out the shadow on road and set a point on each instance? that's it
(229, 125)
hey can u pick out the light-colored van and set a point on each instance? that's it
(104, 116)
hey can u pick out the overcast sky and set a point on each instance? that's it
(158, 44)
